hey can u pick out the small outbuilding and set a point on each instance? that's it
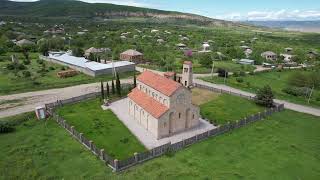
(246, 61)
(24, 42)
(132, 56)
(269, 55)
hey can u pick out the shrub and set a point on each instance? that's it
(5, 127)
(10, 66)
(240, 80)
(265, 97)
(21, 67)
(26, 73)
(242, 73)
(251, 73)
(223, 73)
(297, 91)
(235, 74)
(26, 62)
(39, 61)
(63, 68)
(51, 68)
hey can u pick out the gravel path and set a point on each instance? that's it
(26, 102)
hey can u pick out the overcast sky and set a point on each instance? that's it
(233, 9)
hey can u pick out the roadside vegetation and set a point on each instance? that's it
(295, 86)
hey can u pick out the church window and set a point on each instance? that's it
(179, 115)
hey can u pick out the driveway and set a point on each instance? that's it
(144, 136)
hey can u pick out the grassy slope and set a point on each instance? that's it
(283, 147)
(10, 84)
(277, 81)
(102, 127)
(226, 108)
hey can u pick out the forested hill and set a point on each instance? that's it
(79, 9)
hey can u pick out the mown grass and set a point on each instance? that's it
(284, 146)
(227, 108)
(102, 127)
(12, 81)
(277, 80)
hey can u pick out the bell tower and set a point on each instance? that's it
(187, 74)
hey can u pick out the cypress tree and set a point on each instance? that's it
(108, 90)
(118, 85)
(102, 90)
(134, 80)
(175, 77)
(112, 88)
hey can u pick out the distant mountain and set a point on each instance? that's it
(79, 9)
(303, 26)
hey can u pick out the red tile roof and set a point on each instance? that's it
(187, 62)
(163, 85)
(149, 104)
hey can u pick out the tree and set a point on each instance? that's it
(118, 85)
(134, 80)
(108, 90)
(175, 77)
(112, 88)
(265, 97)
(91, 57)
(78, 52)
(102, 91)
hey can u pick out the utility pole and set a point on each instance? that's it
(310, 95)
(212, 69)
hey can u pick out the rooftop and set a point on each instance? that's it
(132, 52)
(160, 83)
(149, 104)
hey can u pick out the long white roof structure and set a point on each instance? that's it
(84, 63)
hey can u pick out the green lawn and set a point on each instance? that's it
(12, 81)
(226, 108)
(102, 127)
(277, 81)
(285, 146)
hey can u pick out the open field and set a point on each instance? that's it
(225, 108)
(285, 146)
(277, 80)
(42, 76)
(102, 127)
(202, 96)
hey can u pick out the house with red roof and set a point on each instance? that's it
(162, 105)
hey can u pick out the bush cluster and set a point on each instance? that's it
(6, 127)
(297, 91)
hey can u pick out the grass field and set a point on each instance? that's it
(226, 108)
(102, 127)
(15, 82)
(285, 146)
(277, 81)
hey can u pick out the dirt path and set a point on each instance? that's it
(25, 102)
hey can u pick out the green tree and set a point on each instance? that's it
(78, 52)
(118, 85)
(108, 90)
(112, 87)
(102, 91)
(265, 96)
(134, 80)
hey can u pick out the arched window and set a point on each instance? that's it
(179, 115)
(192, 116)
(164, 101)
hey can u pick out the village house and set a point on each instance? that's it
(95, 51)
(132, 56)
(163, 106)
(269, 55)
(55, 30)
(24, 42)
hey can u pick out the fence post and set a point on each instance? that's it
(64, 123)
(136, 157)
(81, 134)
(90, 144)
(116, 164)
(102, 154)
(72, 130)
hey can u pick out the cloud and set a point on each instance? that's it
(281, 15)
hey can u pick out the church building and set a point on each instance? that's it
(163, 106)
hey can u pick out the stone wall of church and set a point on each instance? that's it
(143, 118)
